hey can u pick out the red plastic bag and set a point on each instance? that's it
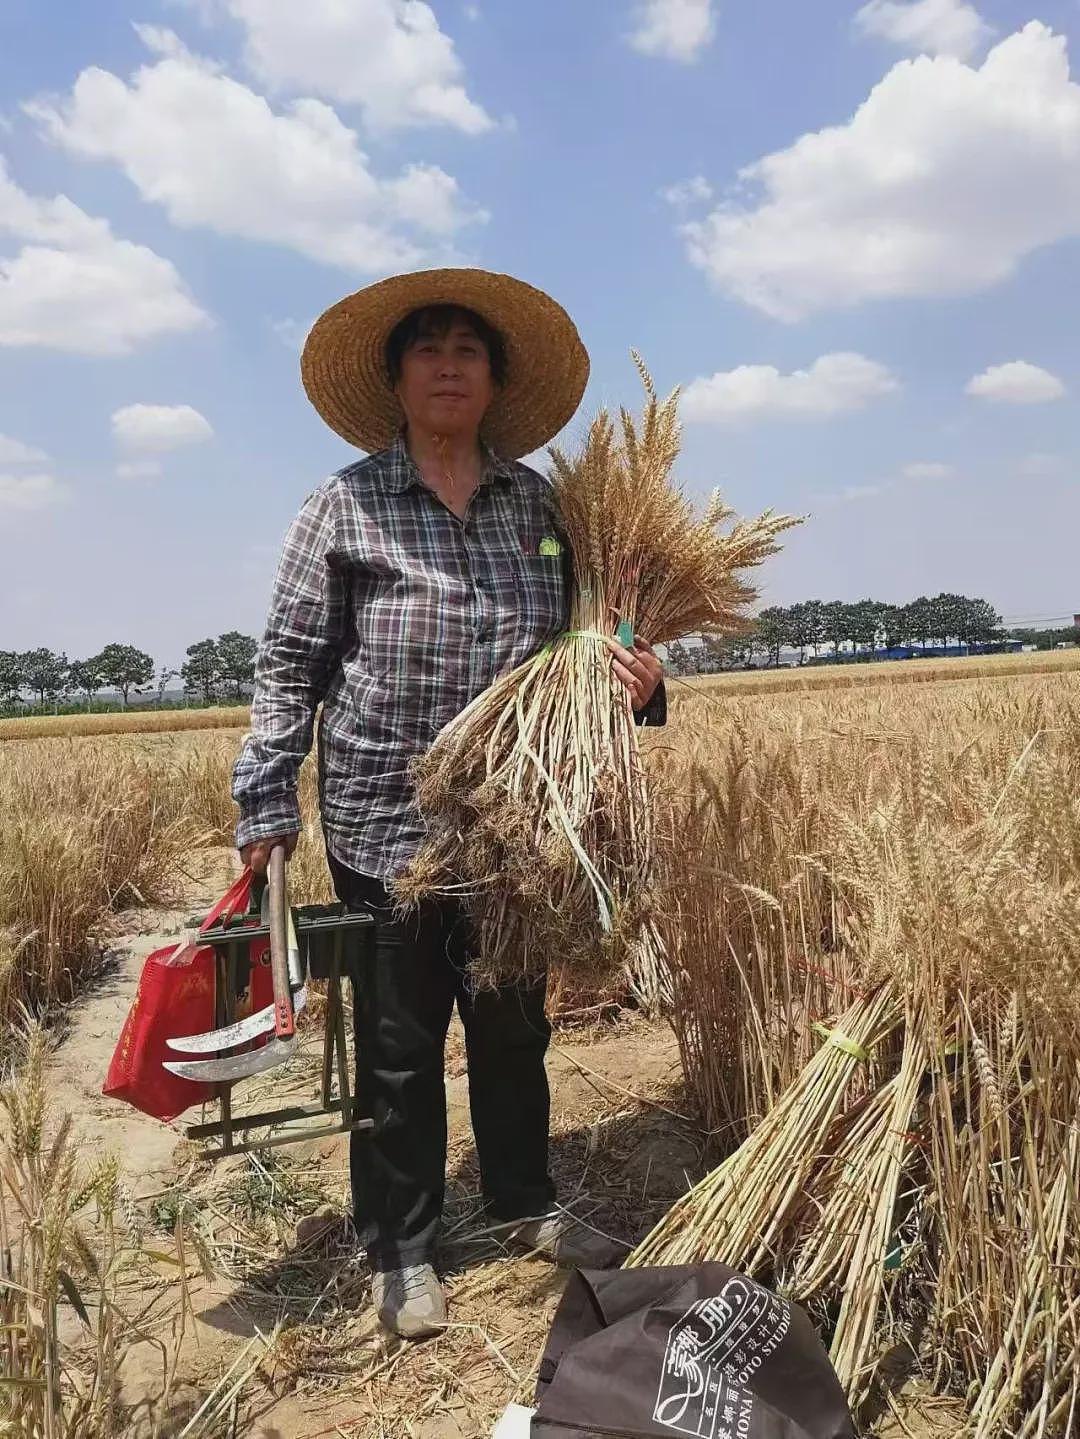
(176, 997)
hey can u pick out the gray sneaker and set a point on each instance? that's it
(409, 1301)
(560, 1238)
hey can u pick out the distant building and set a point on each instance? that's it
(915, 652)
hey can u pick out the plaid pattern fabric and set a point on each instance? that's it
(395, 614)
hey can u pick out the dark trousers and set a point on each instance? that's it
(402, 1004)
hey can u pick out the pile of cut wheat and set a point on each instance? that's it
(535, 795)
(898, 1015)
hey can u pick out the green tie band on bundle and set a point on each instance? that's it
(838, 1038)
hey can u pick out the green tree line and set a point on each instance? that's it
(224, 669)
(212, 670)
(856, 630)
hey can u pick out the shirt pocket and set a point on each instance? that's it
(542, 598)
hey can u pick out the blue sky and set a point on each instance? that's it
(850, 230)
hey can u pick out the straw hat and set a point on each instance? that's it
(344, 361)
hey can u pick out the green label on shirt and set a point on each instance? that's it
(549, 547)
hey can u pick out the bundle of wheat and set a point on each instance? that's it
(916, 1181)
(535, 797)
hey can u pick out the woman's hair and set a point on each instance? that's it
(438, 320)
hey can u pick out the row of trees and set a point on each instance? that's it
(214, 669)
(1047, 639)
(862, 627)
(211, 670)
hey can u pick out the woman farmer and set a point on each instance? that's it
(408, 582)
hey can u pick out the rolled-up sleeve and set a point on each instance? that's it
(298, 655)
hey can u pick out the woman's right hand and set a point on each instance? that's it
(256, 855)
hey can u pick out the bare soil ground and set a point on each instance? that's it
(270, 1283)
(268, 1245)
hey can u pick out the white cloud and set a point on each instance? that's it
(917, 470)
(292, 332)
(387, 56)
(30, 492)
(860, 492)
(928, 470)
(14, 452)
(848, 494)
(696, 190)
(471, 12)
(941, 183)
(1041, 465)
(74, 286)
(933, 27)
(138, 470)
(832, 385)
(673, 29)
(1018, 382)
(213, 153)
(159, 427)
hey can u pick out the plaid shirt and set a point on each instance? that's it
(395, 614)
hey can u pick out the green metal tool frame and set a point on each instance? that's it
(322, 931)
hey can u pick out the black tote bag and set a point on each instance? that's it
(687, 1350)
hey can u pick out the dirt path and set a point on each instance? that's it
(276, 1251)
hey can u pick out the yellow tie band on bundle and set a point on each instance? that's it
(840, 1040)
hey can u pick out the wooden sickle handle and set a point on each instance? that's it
(284, 1019)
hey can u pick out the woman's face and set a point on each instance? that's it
(446, 383)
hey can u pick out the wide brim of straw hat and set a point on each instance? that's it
(343, 365)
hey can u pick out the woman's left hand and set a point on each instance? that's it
(638, 669)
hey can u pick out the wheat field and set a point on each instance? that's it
(874, 934)
(889, 673)
(163, 721)
(819, 841)
(748, 682)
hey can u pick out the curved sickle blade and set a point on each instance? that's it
(236, 1066)
(262, 1022)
